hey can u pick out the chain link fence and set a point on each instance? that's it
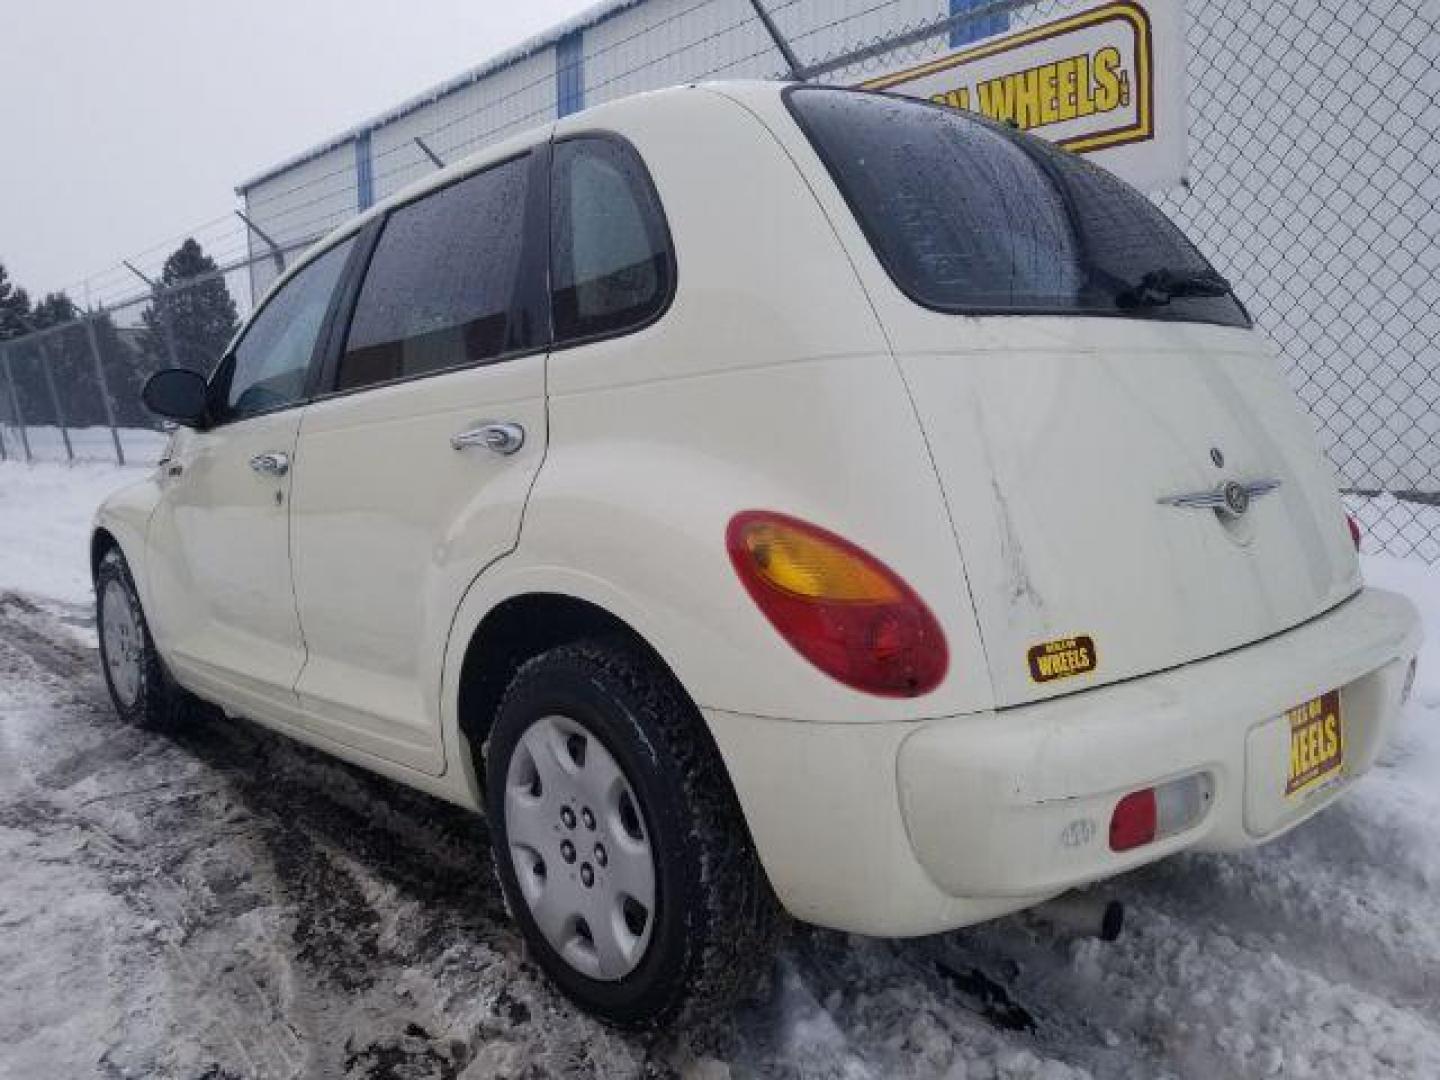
(1314, 185)
(71, 392)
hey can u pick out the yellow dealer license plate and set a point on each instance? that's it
(1317, 743)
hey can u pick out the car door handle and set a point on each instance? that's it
(271, 464)
(502, 438)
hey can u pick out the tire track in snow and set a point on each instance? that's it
(221, 998)
(382, 940)
(343, 925)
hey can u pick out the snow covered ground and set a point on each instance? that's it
(224, 903)
(45, 515)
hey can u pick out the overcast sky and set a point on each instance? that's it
(129, 122)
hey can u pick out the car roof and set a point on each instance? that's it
(611, 115)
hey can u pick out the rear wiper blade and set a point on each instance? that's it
(1163, 285)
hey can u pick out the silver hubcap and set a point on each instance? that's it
(580, 848)
(124, 650)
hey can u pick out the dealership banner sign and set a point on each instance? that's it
(1105, 80)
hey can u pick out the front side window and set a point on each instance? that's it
(269, 368)
(611, 264)
(441, 290)
(973, 218)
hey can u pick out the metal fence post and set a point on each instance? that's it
(275, 253)
(104, 388)
(435, 159)
(792, 62)
(4, 449)
(15, 406)
(55, 400)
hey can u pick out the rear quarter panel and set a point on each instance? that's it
(1038, 420)
(767, 385)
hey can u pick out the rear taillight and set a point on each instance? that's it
(840, 607)
(1354, 530)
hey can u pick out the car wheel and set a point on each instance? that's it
(619, 842)
(140, 688)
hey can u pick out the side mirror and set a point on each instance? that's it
(177, 394)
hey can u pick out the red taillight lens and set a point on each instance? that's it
(1133, 823)
(1354, 530)
(841, 608)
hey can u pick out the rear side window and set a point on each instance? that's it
(970, 217)
(611, 264)
(442, 290)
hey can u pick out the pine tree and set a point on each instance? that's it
(14, 308)
(69, 356)
(199, 318)
(54, 309)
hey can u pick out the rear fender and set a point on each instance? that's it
(637, 527)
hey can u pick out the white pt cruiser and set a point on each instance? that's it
(761, 498)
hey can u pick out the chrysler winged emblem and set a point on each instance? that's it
(1232, 498)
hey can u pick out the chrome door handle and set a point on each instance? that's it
(503, 438)
(271, 464)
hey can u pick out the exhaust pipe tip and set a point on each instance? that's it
(1112, 921)
(1083, 915)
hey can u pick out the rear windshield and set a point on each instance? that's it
(971, 217)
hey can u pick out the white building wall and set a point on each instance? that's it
(640, 47)
(501, 104)
(664, 42)
(1295, 113)
(300, 204)
(819, 30)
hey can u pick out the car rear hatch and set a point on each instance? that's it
(1055, 452)
(1084, 379)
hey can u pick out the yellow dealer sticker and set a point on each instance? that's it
(1317, 743)
(1062, 659)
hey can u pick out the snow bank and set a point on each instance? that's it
(1421, 584)
(45, 515)
(1403, 527)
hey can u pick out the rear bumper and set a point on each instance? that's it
(909, 828)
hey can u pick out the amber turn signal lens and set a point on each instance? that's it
(841, 608)
(807, 564)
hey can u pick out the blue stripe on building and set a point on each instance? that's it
(965, 33)
(569, 74)
(364, 172)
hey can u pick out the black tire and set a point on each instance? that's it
(160, 703)
(716, 919)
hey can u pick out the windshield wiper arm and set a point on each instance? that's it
(1163, 285)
